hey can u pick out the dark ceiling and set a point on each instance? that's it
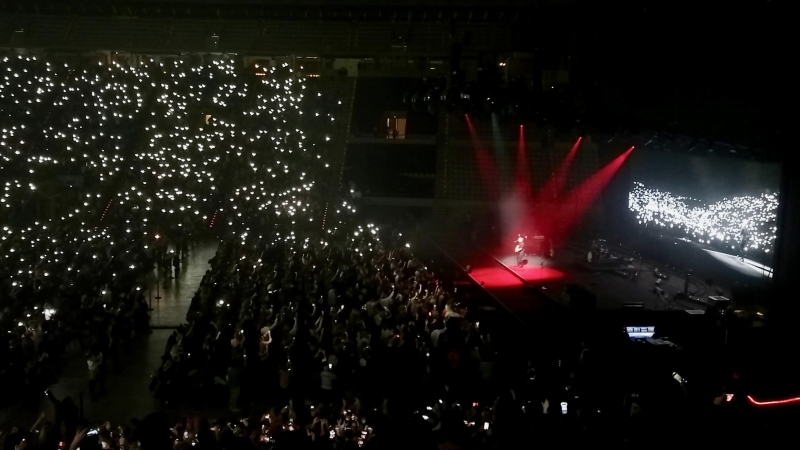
(496, 10)
(705, 69)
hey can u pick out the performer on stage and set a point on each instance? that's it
(519, 249)
(743, 238)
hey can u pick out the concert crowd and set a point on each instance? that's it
(312, 328)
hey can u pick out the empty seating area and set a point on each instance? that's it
(206, 35)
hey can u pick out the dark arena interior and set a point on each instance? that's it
(396, 224)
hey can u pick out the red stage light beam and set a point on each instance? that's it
(522, 177)
(578, 201)
(484, 161)
(553, 187)
(546, 202)
(516, 208)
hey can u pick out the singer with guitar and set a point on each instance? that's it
(520, 249)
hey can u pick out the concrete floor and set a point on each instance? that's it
(128, 393)
(176, 294)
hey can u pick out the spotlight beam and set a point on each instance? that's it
(580, 199)
(555, 185)
(483, 159)
(500, 149)
(522, 177)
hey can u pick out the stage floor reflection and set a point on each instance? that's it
(534, 269)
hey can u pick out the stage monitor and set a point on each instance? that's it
(640, 332)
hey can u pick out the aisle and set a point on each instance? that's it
(176, 294)
(128, 394)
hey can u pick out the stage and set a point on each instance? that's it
(744, 266)
(614, 286)
(625, 281)
(535, 269)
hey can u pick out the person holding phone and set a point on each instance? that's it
(326, 378)
(94, 360)
(86, 439)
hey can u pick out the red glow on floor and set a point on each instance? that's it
(494, 277)
(537, 274)
(536, 269)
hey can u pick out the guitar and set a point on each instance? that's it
(518, 248)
